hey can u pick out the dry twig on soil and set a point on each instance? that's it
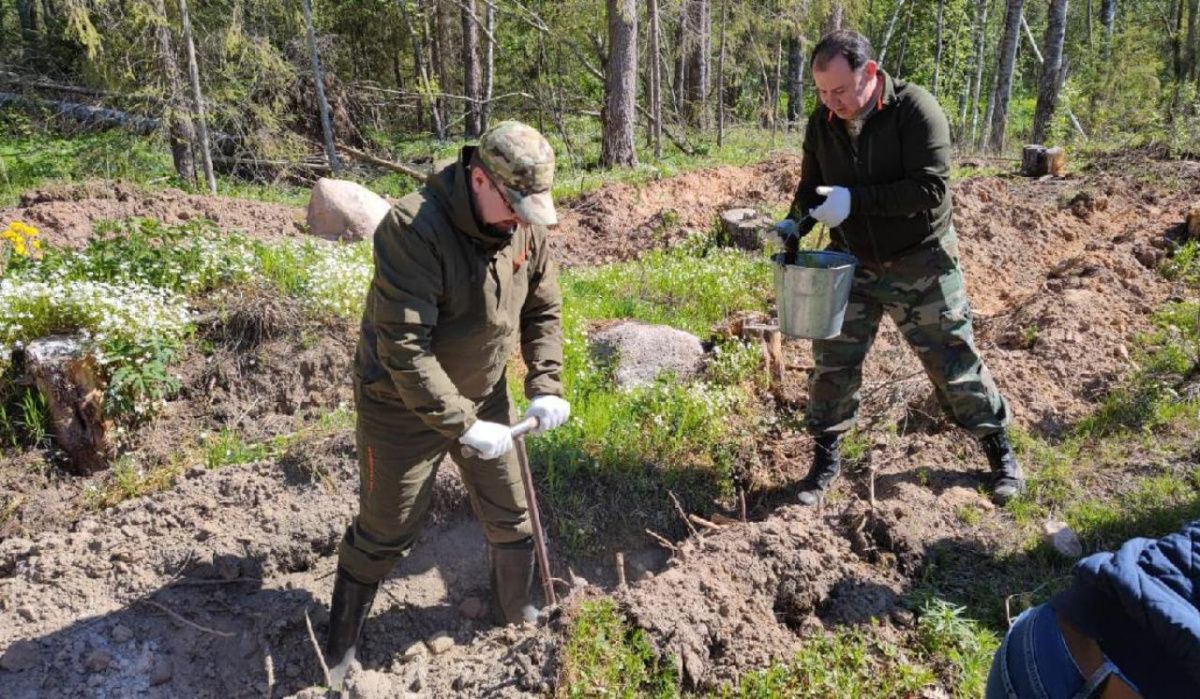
(177, 617)
(317, 647)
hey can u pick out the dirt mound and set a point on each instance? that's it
(619, 222)
(66, 215)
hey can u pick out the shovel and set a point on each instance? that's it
(519, 430)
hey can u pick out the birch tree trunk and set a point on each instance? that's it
(1004, 72)
(197, 97)
(1048, 86)
(617, 147)
(489, 64)
(472, 86)
(937, 56)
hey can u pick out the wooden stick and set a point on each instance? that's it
(662, 541)
(704, 522)
(682, 514)
(412, 172)
(620, 570)
(742, 502)
(269, 664)
(194, 625)
(317, 647)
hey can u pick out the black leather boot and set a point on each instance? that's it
(825, 467)
(347, 613)
(512, 581)
(1007, 478)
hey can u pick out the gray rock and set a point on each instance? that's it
(642, 352)
(21, 655)
(162, 672)
(98, 660)
(1062, 539)
(440, 643)
(121, 633)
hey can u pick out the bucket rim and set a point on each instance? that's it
(847, 259)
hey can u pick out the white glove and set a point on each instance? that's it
(836, 207)
(490, 439)
(550, 411)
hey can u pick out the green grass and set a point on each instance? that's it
(639, 445)
(604, 656)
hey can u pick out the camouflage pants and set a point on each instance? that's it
(398, 458)
(924, 294)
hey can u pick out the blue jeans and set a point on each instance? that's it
(1033, 663)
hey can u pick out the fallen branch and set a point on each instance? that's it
(662, 541)
(375, 160)
(682, 514)
(704, 522)
(174, 615)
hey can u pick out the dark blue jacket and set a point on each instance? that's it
(1141, 605)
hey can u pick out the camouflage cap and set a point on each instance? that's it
(520, 159)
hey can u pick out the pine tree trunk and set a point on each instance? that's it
(795, 80)
(489, 65)
(699, 25)
(777, 88)
(435, 116)
(197, 97)
(472, 86)
(836, 15)
(937, 56)
(617, 147)
(1004, 72)
(319, 80)
(655, 80)
(30, 40)
(182, 134)
(1048, 86)
(904, 43)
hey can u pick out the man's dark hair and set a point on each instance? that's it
(850, 45)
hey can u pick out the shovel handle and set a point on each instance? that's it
(518, 430)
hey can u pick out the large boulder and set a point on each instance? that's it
(641, 352)
(343, 210)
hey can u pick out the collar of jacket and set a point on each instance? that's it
(886, 98)
(452, 190)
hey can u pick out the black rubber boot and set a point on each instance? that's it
(825, 467)
(512, 582)
(347, 614)
(1008, 480)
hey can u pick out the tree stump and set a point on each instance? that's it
(1192, 223)
(69, 380)
(1037, 161)
(745, 228)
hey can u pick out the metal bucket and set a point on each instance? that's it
(812, 293)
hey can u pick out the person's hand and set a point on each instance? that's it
(490, 440)
(836, 207)
(550, 411)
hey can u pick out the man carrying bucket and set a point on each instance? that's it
(875, 171)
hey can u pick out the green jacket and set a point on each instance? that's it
(449, 302)
(898, 175)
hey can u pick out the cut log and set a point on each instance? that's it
(69, 380)
(1192, 223)
(745, 228)
(1037, 161)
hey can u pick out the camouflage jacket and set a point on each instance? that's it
(449, 303)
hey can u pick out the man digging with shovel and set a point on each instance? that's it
(462, 276)
(875, 171)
